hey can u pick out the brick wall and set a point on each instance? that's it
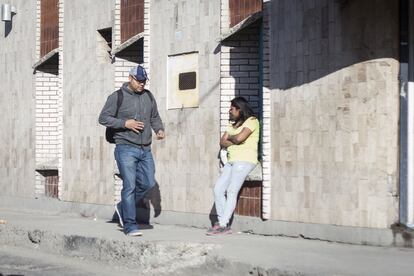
(147, 41)
(240, 76)
(240, 70)
(47, 122)
(116, 31)
(121, 74)
(60, 98)
(224, 16)
(48, 114)
(266, 113)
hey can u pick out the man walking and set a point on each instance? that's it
(133, 121)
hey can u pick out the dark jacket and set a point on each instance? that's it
(138, 106)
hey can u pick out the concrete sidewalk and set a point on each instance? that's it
(188, 251)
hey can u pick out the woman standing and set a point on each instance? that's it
(241, 140)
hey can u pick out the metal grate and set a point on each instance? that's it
(51, 183)
(250, 199)
(49, 26)
(187, 81)
(241, 9)
(132, 18)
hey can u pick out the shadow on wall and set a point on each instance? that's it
(244, 59)
(243, 74)
(7, 28)
(133, 53)
(51, 66)
(309, 43)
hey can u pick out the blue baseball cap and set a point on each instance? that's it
(139, 73)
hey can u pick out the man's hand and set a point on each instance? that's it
(160, 134)
(134, 125)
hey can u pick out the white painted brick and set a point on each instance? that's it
(42, 88)
(50, 119)
(228, 80)
(120, 79)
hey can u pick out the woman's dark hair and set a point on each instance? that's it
(246, 110)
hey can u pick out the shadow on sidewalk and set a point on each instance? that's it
(143, 208)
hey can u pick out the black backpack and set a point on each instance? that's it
(110, 132)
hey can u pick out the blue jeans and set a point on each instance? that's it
(137, 170)
(227, 188)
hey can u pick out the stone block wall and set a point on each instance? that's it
(335, 105)
(87, 81)
(186, 161)
(329, 105)
(17, 93)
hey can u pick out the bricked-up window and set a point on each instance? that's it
(182, 80)
(187, 81)
(132, 18)
(241, 9)
(49, 26)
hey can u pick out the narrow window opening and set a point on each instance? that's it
(107, 35)
(104, 48)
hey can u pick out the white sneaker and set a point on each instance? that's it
(119, 215)
(134, 233)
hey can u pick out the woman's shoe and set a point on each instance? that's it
(220, 231)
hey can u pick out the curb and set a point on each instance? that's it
(150, 258)
(154, 257)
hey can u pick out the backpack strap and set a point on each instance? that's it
(119, 100)
(151, 96)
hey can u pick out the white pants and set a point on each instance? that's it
(229, 183)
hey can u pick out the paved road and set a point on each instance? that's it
(22, 262)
